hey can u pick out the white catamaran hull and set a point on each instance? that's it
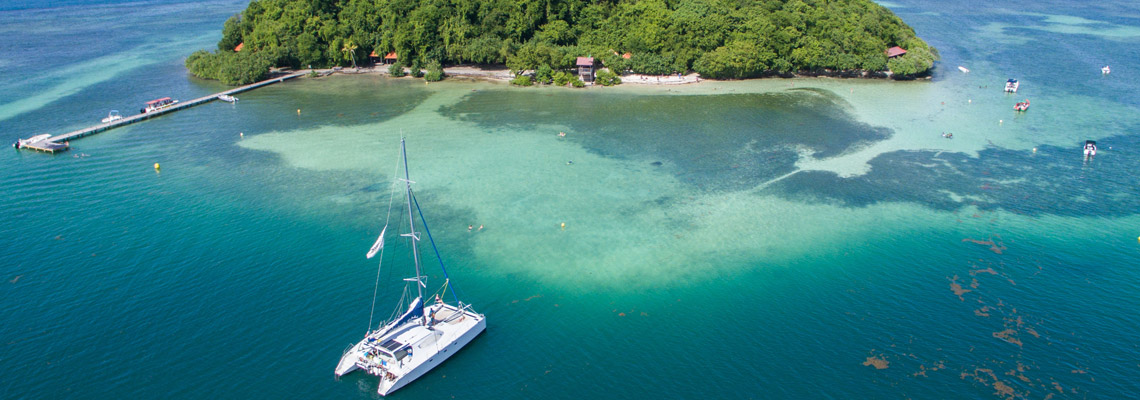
(388, 386)
(432, 347)
(347, 362)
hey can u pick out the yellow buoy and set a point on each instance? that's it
(563, 225)
(298, 111)
(156, 166)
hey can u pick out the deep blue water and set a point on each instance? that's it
(692, 264)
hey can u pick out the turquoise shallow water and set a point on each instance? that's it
(746, 239)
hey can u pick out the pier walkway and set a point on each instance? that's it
(53, 144)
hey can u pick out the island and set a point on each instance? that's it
(718, 39)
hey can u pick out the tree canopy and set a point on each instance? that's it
(717, 38)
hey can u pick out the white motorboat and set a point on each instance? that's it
(227, 98)
(963, 69)
(112, 117)
(1105, 70)
(423, 336)
(1011, 86)
(1090, 149)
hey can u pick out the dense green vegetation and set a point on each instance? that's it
(717, 38)
(232, 68)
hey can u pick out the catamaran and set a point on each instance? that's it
(406, 347)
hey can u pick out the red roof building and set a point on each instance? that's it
(585, 68)
(239, 46)
(895, 52)
(627, 55)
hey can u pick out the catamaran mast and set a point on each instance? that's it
(412, 222)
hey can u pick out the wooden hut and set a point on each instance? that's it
(391, 58)
(585, 68)
(895, 52)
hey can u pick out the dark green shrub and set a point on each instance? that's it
(434, 72)
(607, 78)
(561, 78)
(544, 74)
(396, 69)
(522, 80)
(417, 69)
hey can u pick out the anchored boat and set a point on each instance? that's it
(227, 98)
(423, 336)
(1021, 105)
(1011, 86)
(1090, 148)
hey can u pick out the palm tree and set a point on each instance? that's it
(350, 48)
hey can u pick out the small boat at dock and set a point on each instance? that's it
(112, 117)
(157, 104)
(1011, 86)
(1021, 105)
(227, 98)
(963, 69)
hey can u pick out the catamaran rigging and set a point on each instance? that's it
(423, 336)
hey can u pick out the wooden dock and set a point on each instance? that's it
(61, 142)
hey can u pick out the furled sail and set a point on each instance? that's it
(415, 310)
(379, 243)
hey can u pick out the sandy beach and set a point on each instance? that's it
(503, 74)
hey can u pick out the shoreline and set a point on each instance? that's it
(503, 74)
